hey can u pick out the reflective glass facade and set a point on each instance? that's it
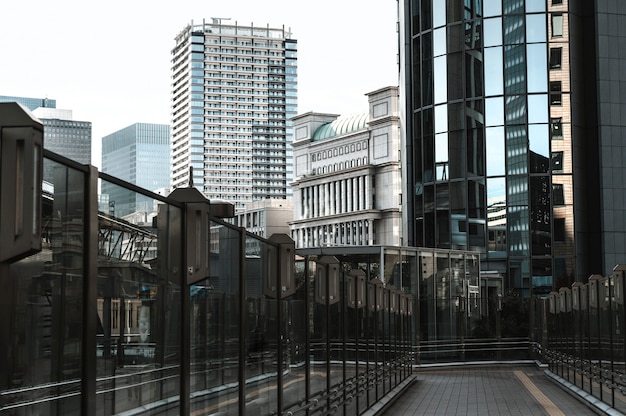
(139, 154)
(496, 134)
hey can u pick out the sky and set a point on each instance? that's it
(109, 62)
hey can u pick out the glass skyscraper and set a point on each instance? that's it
(233, 93)
(139, 154)
(512, 134)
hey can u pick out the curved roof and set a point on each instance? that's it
(340, 126)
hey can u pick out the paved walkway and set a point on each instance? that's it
(486, 390)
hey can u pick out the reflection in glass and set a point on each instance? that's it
(515, 69)
(535, 27)
(539, 141)
(514, 33)
(495, 151)
(515, 109)
(494, 81)
(441, 156)
(538, 108)
(535, 6)
(536, 67)
(439, 13)
(441, 118)
(439, 41)
(496, 216)
(494, 111)
(516, 150)
(440, 77)
(492, 7)
(493, 32)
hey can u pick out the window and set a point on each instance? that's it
(556, 128)
(555, 58)
(559, 229)
(557, 25)
(557, 161)
(557, 2)
(555, 93)
(558, 198)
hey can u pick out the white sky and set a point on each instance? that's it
(109, 61)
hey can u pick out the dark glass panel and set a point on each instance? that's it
(559, 230)
(427, 82)
(443, 229)
(473, 76)
(456, 10)
(557, 161)
(540, 215)
(542, 276)
(556, 55)
(415, 13)
(456, 38)
(514, 31)
(473, 34)
(417, 147)
(455, 77)
(475, 136)
(476, 199)
(558, 196)
(458, 192)
(416, 83)
(429, 215)
(426, 15)
(456, 155)
(427, 45)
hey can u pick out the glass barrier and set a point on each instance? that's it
(42, 305)
(138, 301)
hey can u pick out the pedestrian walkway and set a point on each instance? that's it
(486, 390)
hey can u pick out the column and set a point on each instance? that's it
(349, 195)
(362, 192)
(368, 193)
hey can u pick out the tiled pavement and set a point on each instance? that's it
(522, 390)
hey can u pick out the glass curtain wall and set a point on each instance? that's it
(488, 98)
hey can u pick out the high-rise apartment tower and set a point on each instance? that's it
(514, 134)
(233, 93)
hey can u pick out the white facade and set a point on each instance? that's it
(266, 217)
(347, 188)
(233, 92)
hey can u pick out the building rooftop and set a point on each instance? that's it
(342, 125)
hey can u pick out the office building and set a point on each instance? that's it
(514, 134)
(233, 93)
(266, 217)
(139, 154)
(347, 176)
(62, 134)
(30, 103)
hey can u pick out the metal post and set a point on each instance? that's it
(90, 294)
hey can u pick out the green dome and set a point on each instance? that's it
(343, 125)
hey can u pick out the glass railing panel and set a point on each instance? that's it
(138, 303)
(42, 304)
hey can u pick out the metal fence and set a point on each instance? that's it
(580, 333)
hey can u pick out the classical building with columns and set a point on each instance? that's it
(347, 187)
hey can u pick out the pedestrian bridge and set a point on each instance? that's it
(172, 310)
